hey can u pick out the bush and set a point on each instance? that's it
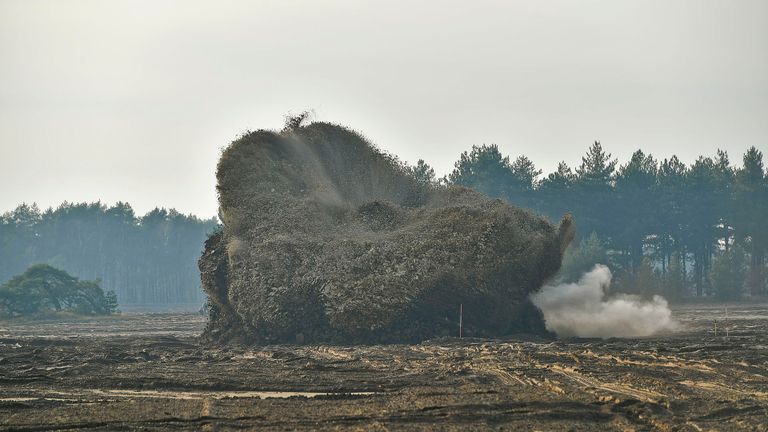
(42, 288)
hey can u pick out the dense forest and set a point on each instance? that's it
(148, 261)
(663, 226)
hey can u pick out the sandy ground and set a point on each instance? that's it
(149, 372)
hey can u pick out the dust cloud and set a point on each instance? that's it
(584, 309)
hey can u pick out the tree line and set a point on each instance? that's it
(663, 225)
(148, 260)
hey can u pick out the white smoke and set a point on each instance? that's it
(583, 309)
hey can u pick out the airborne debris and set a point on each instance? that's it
(327, 238)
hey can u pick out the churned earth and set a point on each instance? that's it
(150, 372)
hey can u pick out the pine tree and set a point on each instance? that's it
(675, 286)
(728, 274)
(555, 192)
(594, 207)
(636, 204)
(669, 190)
(701, 216)
(750, 215)
(525, 180)
(423, 173)
(485, 170)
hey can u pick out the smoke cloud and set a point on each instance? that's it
(583, 309)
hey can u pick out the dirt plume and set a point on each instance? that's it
(326, 238)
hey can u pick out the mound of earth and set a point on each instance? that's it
(326, 238)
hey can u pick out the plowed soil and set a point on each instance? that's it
(150, 372)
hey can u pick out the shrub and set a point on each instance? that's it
(42, 288)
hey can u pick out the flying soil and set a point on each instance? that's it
(327, 239)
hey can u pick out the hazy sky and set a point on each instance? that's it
(133, 100)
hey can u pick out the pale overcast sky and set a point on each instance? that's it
(133, 100)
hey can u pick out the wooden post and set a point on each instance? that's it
(461, 317)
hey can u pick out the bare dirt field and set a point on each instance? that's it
(149, 372)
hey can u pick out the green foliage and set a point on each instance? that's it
(634, 184)
(110, 302)
(596, 167)
(593, 204)
(485, 170)
(750, 215)
(728, 274)
(525, 173)
(670, 216)
(556, 192)
(144, 260)
(42, 288)
(423, 173)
